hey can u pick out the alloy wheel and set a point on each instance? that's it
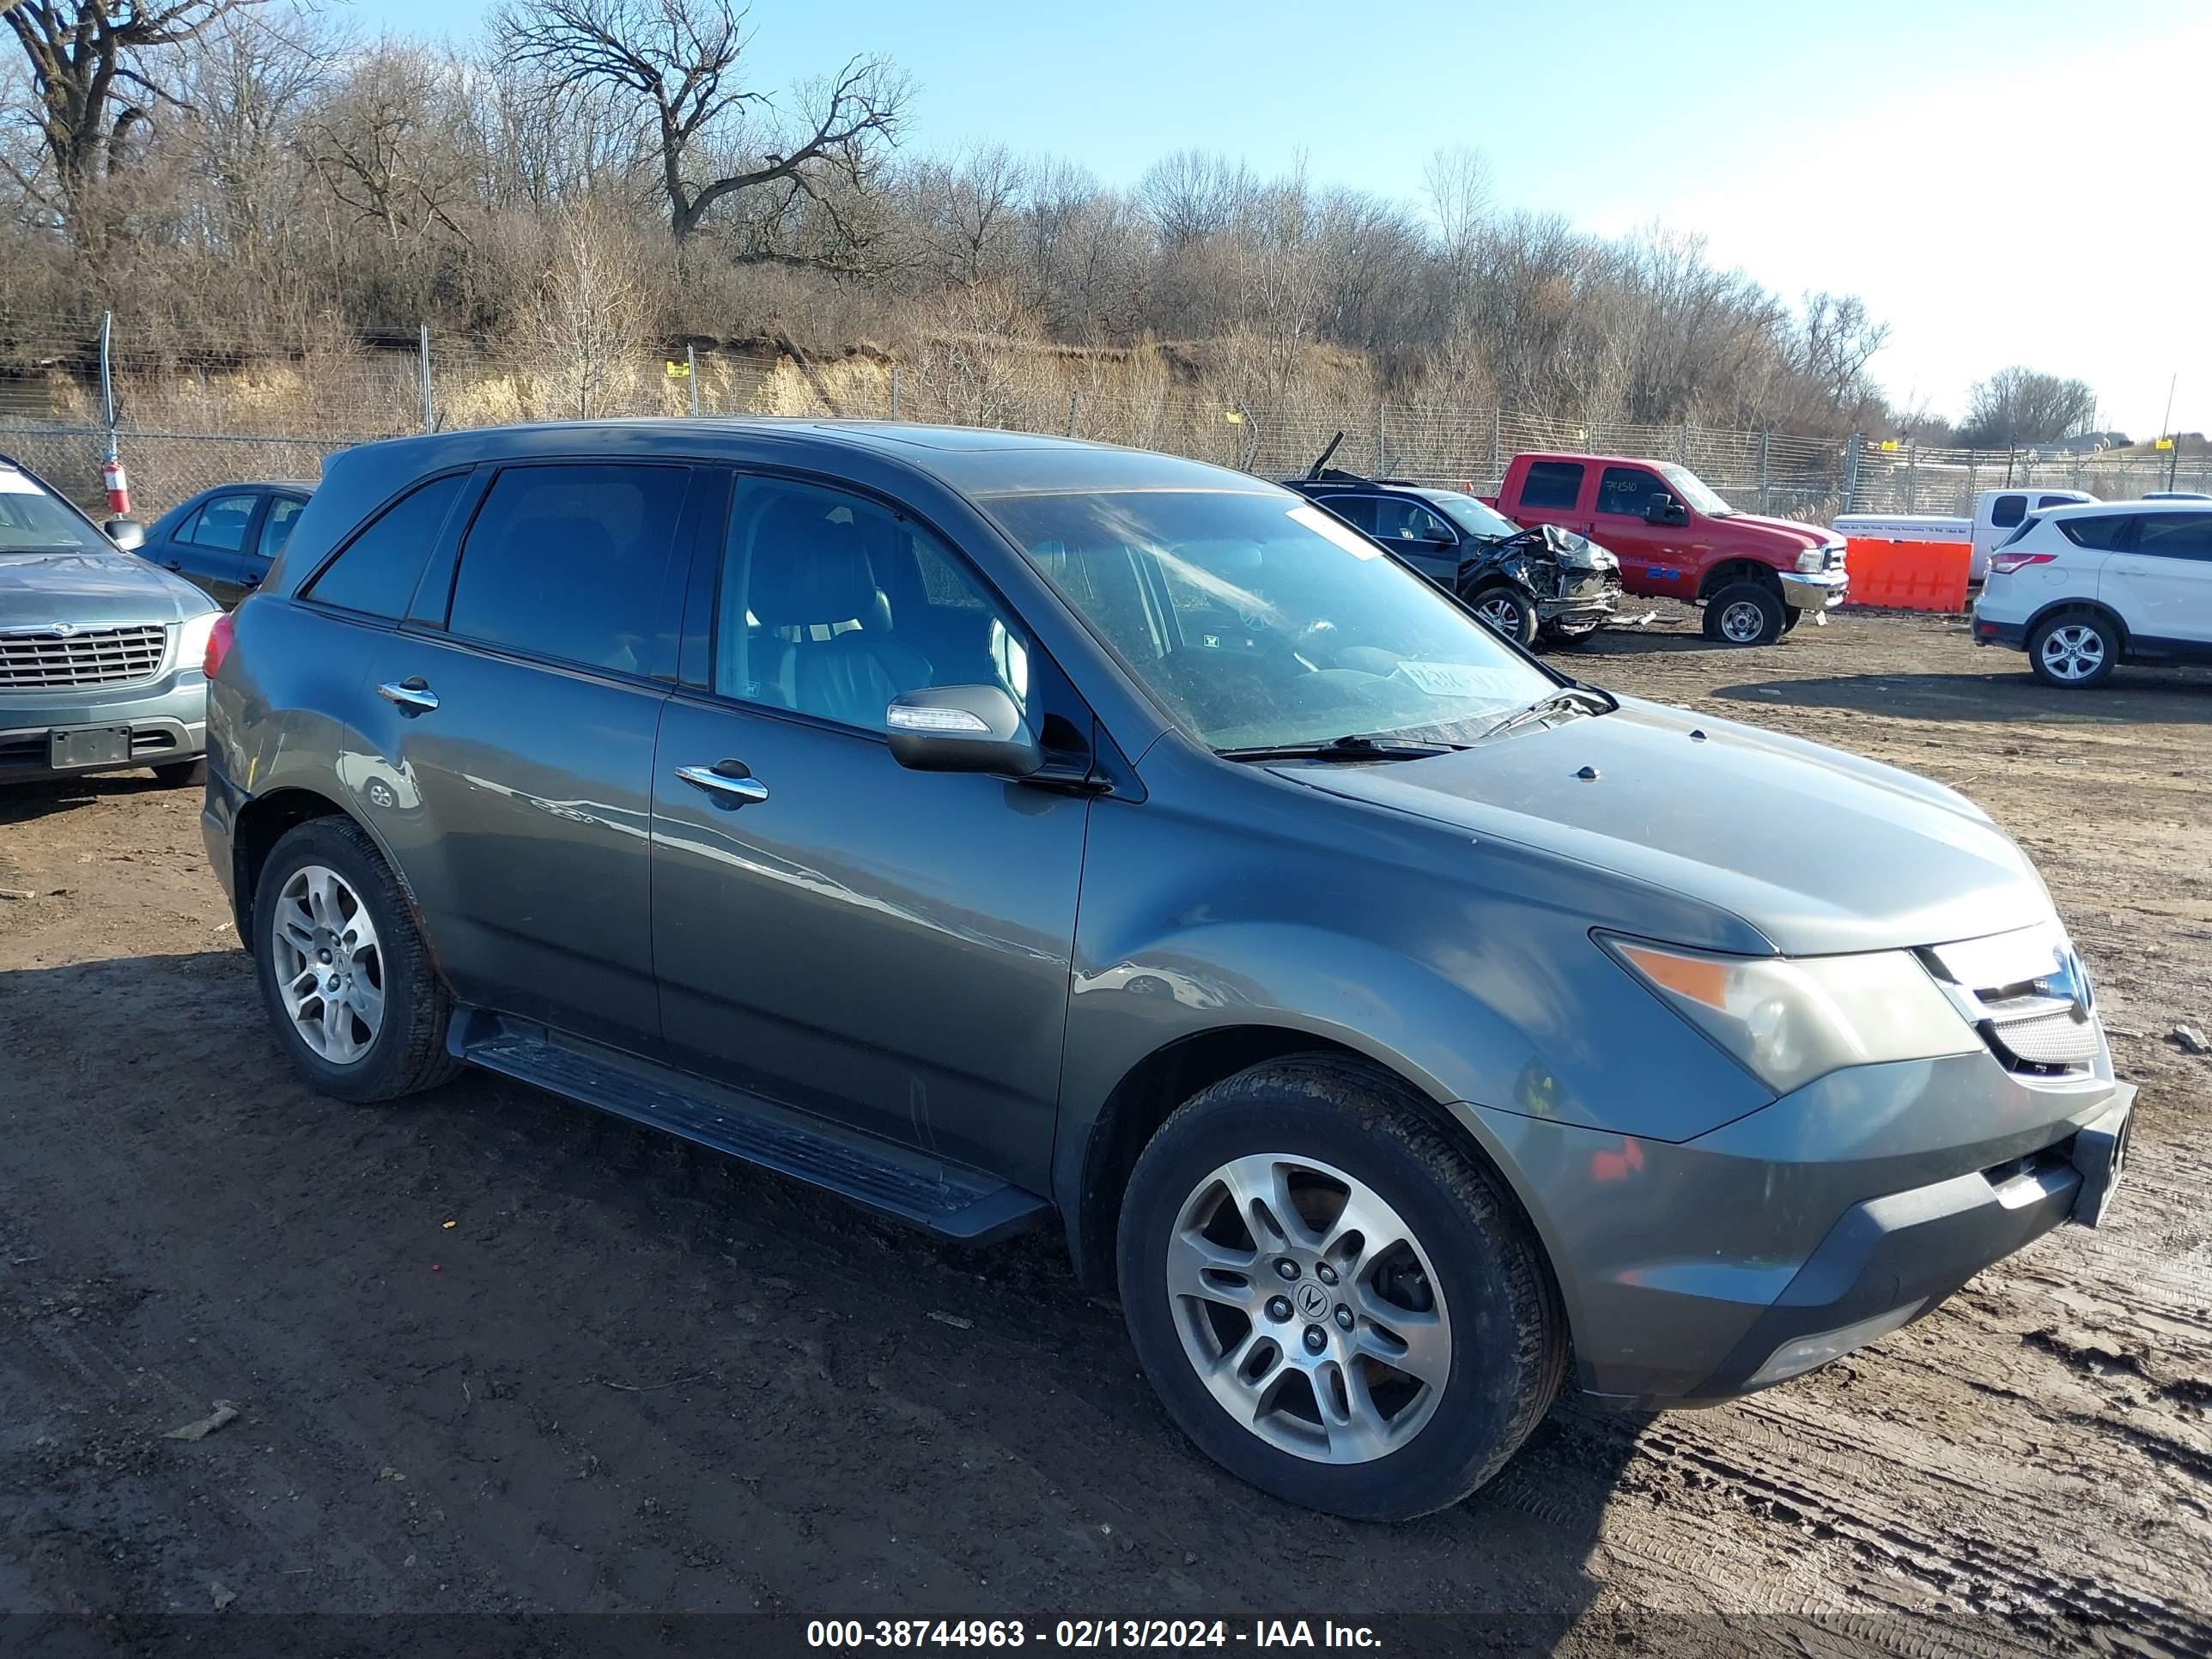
(2073, 652)
(1501, 614)
(1309, 1309)
(329, 963)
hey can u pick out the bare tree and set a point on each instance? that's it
(2020, 406)
(681, 60)
(383, 142)
(90, 63)
(591, 310)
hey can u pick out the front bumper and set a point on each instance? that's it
(167, 718)
(1688, 1268)
(1815, 589)
(1585, 598)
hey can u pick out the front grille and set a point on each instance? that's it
(2028, 996)
(82, 656)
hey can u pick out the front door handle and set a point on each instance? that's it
(728, 781)
(413, 695)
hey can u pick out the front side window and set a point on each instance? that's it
(1478, 519)
(1626, 491)
(1553, 484)
(1256, 619)
(1401, 519)
(34, 520)
(222, 524)
(375, 574)
(2008, 510)
(831, 606)
(2175, 534)
(572, 562)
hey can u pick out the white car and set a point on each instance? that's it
(2083, 589)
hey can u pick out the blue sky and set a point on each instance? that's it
(2003, 180)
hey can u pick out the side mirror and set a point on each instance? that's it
(127, 533)
(1665, 509)
(962, 728)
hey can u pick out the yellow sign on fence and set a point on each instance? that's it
(678, 371)
(2163, 443)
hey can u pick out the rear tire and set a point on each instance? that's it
(1507, 611)
(1744, 613)
(1565, 639)
(1429, 1349)
(2074, 650)
(345, 976)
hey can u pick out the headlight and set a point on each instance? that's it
(1813, 559)
(193, 639)
(1788, 1020)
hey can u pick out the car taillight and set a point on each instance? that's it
(2003, 564)
(218, 645)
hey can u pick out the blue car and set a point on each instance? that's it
(100, 653)
(222, 540)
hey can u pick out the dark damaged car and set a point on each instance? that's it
(1541, 587)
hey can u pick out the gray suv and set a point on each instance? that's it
(100, 653)
(998, 828)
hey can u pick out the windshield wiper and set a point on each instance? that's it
(1567, 700)
(1351, 747)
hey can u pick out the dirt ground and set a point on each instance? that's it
(494, 1354)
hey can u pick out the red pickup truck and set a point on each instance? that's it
(1754, 576)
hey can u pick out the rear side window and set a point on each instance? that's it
(276, 528)
(2008, 511)
(1359, 509)
(2175, 534)
(2025, 524)
(571, 561)
(1553, 484)
(2101, 532)
(222, 524)
(377, 572)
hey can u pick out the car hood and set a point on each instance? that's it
(92, 589)
(1819, 851)
(1788, 529)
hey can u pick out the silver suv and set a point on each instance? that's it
(998, 829)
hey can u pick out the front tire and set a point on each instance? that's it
(1507, 611)
(343, 971)
(1744, 613)
(181, 774)
(2073, 650)
(1413, 1340)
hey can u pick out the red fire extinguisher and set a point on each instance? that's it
(117, 487)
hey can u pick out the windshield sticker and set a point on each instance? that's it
(1321, 524)
(13, 483)
(1462, 679)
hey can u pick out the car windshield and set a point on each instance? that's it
(1259, 621)
(1475, 517)
(1691, 490)
(33, 521)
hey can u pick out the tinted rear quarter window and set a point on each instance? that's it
(571, 561)
(376, 573)
(1551, 484)
(2100, 532)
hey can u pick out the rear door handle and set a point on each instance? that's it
(414, 696)
(728, 781)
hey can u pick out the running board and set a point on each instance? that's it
(947, 1199)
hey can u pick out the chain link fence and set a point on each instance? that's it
(210, 413)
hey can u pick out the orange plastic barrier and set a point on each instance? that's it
(1909, 575)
